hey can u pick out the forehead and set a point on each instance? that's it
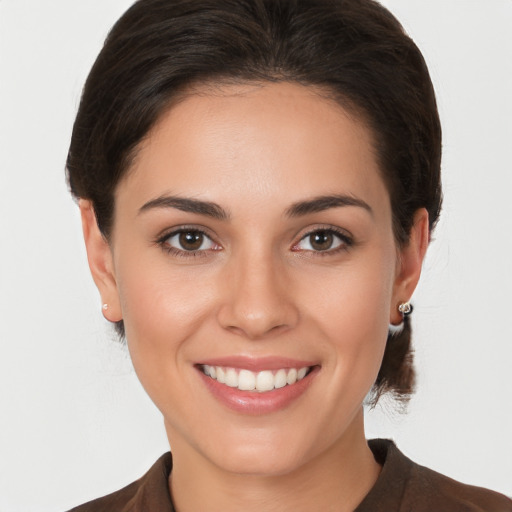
(270, 140)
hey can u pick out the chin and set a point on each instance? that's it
(269, 461)
(262, 451)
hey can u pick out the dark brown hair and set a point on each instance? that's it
(355, 49)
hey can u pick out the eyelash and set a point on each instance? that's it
(181, 253)
(343, 237)
(346, 241)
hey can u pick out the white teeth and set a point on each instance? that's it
(221, 374)
(265, 381)
(245, 380)
(300, 374)
(231, 378)
(291, 378)
(280, 379)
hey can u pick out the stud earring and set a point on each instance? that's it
(105, 307)
(405, 308)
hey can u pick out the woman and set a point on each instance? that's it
(258, 183)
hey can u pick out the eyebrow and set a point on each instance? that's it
(187, 205)
(322, 203)
(215, 211)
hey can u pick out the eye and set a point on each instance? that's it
(323, 240)
(190, 240)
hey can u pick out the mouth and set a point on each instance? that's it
(256, 386)
(255, 381)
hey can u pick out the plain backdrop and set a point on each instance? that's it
(75, 423)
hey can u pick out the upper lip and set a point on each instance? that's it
(257, 364)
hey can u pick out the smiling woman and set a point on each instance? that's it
(258, 182)
(264, 277)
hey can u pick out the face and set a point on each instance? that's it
(254, 265)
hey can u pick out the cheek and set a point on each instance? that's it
(162, 309)
(352, 310)
(357, 294)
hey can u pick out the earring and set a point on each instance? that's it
(405, 308)
(105, 307)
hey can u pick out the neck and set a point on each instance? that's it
(337, 479)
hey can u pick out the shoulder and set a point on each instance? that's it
(150, 492)
(406, 486)
(434, 489)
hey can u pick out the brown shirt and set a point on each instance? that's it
(402, 486)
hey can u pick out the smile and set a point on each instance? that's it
(262, 381)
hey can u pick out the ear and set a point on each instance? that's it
(410, 261)
(99, 256)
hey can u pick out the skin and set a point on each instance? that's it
(258, 289)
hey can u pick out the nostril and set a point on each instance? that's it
(257, 305)
(254, 333)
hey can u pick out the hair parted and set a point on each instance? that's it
(353, 49)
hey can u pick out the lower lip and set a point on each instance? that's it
(255, 403)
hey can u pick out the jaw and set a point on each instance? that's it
(342, 473)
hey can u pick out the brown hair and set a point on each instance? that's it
(355, 49)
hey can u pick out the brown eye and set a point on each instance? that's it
(190, 240)
(321, 240)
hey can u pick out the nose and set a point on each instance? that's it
(257, 299)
